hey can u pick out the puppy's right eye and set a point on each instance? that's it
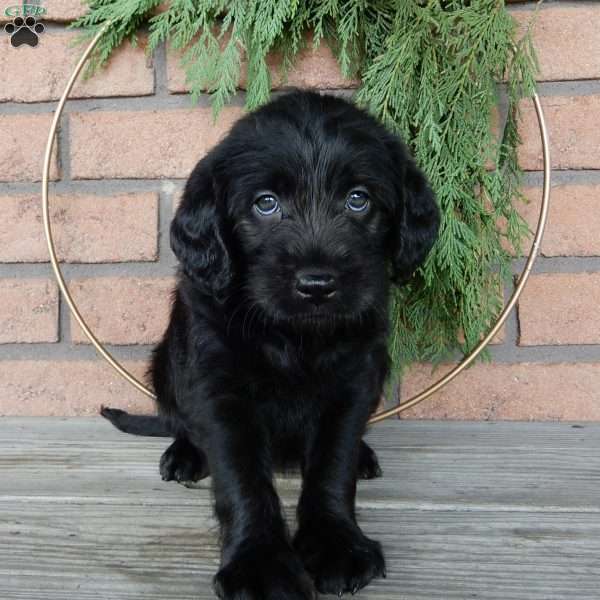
(266, 205)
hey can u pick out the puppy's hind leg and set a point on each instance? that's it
(183, 462)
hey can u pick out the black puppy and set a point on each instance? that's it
(288, 235)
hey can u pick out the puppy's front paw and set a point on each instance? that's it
(262, 572)
(339, 556)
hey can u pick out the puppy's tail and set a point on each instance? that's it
(148, 425)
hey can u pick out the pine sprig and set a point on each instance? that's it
(430, 70)
(130, 17)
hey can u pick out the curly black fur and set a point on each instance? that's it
(275, 353)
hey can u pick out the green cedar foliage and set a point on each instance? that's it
(430, 70)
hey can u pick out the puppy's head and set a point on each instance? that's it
(309, 206)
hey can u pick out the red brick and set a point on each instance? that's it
(29, 311)
(23, 144)
(86, 228)
(499, 338)
(566, 39)
(520, 392)
(122, 310)
(50, 65)
(66, 10)
(560, 308)
(574, 130)
(144, 144)
(68, 388)
(573, 219)
(314, 68)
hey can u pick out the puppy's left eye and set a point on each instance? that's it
(266, 204)
(357, 201)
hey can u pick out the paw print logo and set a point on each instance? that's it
(24, 31)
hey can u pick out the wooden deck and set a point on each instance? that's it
(464, 510)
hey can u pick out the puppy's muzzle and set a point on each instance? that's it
(315, 286)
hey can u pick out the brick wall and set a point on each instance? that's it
(128, 140)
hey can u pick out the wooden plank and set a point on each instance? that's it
(491, 511)
(503, 466)
(430, 434)
(91, 551)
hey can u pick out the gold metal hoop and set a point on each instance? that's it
(466, 361)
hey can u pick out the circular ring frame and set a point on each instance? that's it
(380, 416)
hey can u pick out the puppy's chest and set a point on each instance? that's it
(289, 392)
(293, 389)
(297, 372)
(292, 386)
(291, 417)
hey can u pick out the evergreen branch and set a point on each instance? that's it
(429, 70)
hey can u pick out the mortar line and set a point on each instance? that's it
(111, 186)
(529, 4)
(118, 104)
(159, 59)
(164, 100)
(500, 354)
(562, 177)
(61, 317)
(101, 187)
(565, 353)
(64, 148)
(510, 326)
(70, 351)
(560, 264)
(165, 214)
(66, 332)
(517, 318)
(167, 264)
(569, 87)
(70, 271)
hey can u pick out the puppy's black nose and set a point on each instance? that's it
(315, 285)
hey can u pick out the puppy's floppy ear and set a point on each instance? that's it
(197, 236)
(417, 217)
